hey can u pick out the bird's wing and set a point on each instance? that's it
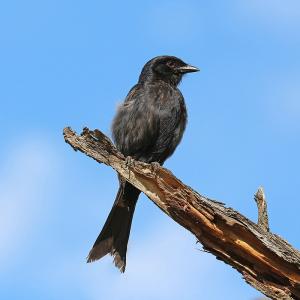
(136, 125)
(173, 118)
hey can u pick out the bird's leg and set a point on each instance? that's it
(129, 161)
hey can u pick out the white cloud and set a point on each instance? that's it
(162, 261)
(274, 14)
(162, 265)
(23, 175)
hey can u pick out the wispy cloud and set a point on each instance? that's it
(164, 262)
(275, 15)
(160, 266)
(24, 173)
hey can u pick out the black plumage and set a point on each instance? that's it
(148, 127)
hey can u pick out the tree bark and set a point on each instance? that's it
(265, 260)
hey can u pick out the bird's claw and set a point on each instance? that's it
(129, 161)
(155, 166)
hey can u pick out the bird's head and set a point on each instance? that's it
(167, 68)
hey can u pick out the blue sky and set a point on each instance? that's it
(69, 63)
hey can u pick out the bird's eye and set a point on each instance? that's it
(171, 64)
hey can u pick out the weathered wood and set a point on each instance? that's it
(266, 261)
(260, 199)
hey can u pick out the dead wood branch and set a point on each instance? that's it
(260, 199)
(266, 261)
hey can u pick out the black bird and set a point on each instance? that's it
(148, 126)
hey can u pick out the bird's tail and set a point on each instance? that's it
(114, 235)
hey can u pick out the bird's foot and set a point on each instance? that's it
(129, 161)
(155, 166)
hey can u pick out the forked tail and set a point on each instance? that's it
(114, 235)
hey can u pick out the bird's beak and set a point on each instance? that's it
(187, 69)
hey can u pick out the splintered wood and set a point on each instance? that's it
(266, 261)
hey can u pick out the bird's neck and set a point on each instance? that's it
(172, 80)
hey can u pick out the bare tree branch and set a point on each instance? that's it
(266, 261)
(260, 199)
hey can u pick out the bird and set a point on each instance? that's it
(148, 127)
